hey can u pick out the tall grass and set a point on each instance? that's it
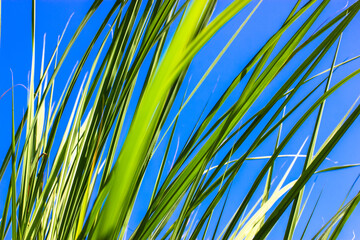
(81, 173)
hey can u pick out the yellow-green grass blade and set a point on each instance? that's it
(56, 166)
(116, 205)
(194, 186)
(116, 111)
(220, 101)
(8, 154)
(163, 222)
(36, 180)
(166, 153)
(264, 50)
(203, 78)
(69, 156)
(251, 227)
(95, 5)
(87, 125)
(258, 215)
(122, 106)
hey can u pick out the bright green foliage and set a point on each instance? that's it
(57, 182)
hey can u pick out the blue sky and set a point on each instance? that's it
(52, 15)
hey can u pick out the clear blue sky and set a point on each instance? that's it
(52, 15)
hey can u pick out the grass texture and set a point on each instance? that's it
(86, 186)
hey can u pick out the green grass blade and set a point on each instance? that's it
(13, 173)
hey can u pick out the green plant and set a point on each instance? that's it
(58, 182)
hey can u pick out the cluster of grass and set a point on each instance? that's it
(86, 186)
